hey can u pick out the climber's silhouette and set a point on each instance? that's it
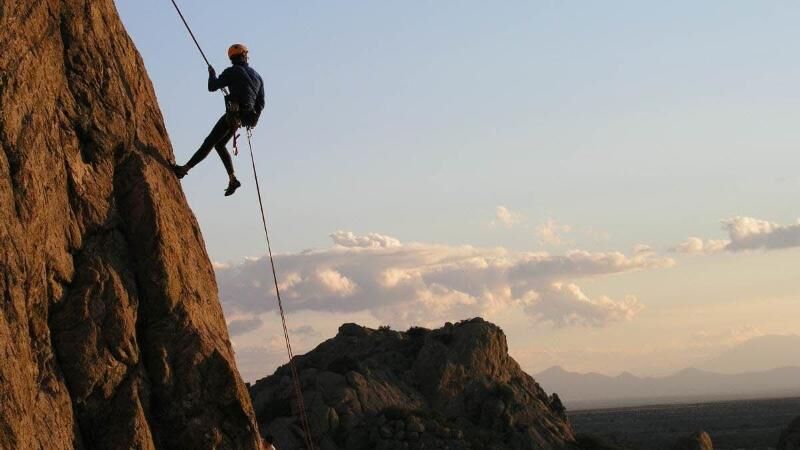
(243, 107)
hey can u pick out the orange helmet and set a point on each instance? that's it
(236, 50)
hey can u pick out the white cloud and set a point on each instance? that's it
(745, 233)
(335, 283)
(371, 240)
(697, 246)
(405, 284)
(551, 232)
(567, 305)
(506, 217)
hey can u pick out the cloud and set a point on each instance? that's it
(371, 240)
(242, 326)
(745, 233)
(567, 305)
(697, 246)
(334, 283)
(404, 284)
(505, 217)
(551, 232)
(304, 331)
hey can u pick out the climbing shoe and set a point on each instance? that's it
(180, 171)
(233, 185)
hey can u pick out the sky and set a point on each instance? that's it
(616, 186)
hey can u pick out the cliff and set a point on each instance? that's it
(455, 387)
(111, 333)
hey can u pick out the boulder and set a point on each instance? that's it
(455, 387)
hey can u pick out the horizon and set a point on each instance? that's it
(612, 187)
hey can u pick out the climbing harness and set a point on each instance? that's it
(236, 142)
(309, 443)
(234, 120)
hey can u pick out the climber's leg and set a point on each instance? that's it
(222, 151)
(221, 130)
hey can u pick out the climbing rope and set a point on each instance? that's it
(298, 389)
(190, 32)
(197, 44)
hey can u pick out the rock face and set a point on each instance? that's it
(454, 387)
(790, 438)
(697, 441)
(111, 334)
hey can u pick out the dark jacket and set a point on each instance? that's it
(244, 83)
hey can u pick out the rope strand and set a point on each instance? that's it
(296, 378)
(298, 389)
(197, 44)
(190, 32)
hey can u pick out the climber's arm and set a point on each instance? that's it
(215, 83)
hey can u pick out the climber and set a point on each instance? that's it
(243, 107)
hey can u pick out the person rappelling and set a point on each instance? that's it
(243, 106)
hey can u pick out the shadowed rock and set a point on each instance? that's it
(699, 440)
(790, 437)
(111, 333)
(455, 387)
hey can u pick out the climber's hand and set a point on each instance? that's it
(211, 72)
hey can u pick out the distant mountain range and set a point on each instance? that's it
(578, 390)
(727, 376)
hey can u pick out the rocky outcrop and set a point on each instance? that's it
(699, 440)
(455, 387)
(111, 334)
(790, 437)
